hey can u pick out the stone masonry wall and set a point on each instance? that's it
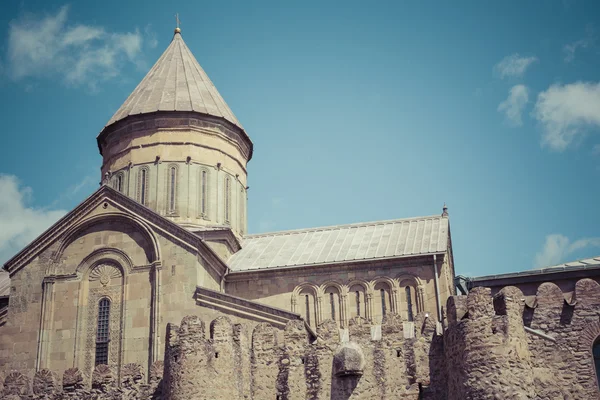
(208, 366)
(494, 348)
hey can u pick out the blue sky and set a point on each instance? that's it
(358, 112)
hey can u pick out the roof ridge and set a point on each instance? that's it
(333, 227)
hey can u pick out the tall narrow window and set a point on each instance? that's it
(227, 199)
(203, 192)
(358, 303)
(119, 183)
(409, 303)
(172, 188)
(307, 299)
(103, 332)
(332, 302)
(242, 215)
(382, 302)
(143, 186)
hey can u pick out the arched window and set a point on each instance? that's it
(143, 185)
(308, 310)
(172, 189)
(382, 304)
(358, 307)
(409, 304)
(242, 213)
(596, 354)
(203, 206)
(227, 200)
(119, 182)
(333, 310)
(103, 332)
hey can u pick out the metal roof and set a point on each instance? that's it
(342, 243)
(4, 283)
(176, 83)
(571, 266)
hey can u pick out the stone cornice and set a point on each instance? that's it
(221, 235)
(328, 268)
(108, 161)
(176, 120)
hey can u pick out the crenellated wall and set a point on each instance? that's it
(362, 366)
(495, 347)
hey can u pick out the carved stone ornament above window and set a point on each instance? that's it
(104, 273)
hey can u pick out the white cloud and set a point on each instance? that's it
(513, 66)
(558, 247)
(565, 111)
(47, 46)
(20, 223)
(514, 104)
(572, 48)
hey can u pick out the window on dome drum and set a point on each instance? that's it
(227, 200)
(242, 202)
(409, 303)
(357, 303)
(103, 332)
(596, 354)
(203, 192)
(383, 308)
(172, 188)
(143, 186)
(119, 183)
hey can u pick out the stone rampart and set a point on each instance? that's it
(364, 365)
(499, 347)
(495, 347)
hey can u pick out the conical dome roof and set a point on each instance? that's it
(176, 83)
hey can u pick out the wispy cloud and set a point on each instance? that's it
(513, 66)
(50, 46)
(88, 183)
(20, 223)
(571, 49)
(558, 248)
(513, 106)
(565, 111)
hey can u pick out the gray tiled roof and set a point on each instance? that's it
(571, 266)
(176, 83)
(342, 243)
(4, 283)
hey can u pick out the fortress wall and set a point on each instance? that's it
(487, 352)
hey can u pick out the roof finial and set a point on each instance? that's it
(445, 210)
(177, 29)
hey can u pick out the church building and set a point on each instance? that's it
(165, 236)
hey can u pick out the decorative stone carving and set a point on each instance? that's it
(105, 273)
(44, 383)
(16, 384)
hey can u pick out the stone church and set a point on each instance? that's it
(152, 288)
(165, 236)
